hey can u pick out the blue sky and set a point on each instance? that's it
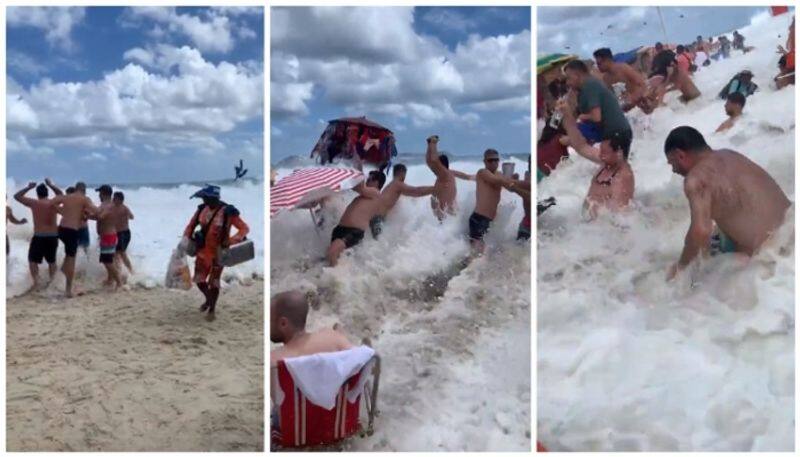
(134, 95)
(581, 30)
(463, 73)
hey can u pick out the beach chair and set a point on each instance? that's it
(302, 424)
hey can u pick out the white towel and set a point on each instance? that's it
(320, 376)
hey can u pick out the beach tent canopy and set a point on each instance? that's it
(357, 139)
(628, 57)
(307, 186)
(551, 62)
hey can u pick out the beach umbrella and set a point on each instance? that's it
(305, 187)
(357, 139)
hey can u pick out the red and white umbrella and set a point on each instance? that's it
(306, 186)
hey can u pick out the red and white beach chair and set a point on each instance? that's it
(304, 424)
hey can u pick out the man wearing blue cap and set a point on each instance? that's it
(210, 228)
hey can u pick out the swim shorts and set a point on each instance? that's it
(722, 244)
(376, 226)
(69, 237)
(207, 270)
(83, 237)
(108, 245)
(123, 240)
(351, 236)
(478, 226)
(43, 247)
(591, 131)
(524, 230)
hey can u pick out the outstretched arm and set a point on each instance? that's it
(366, 191)
(53, 187)
(462, 175)
(413, 191)
(495, 179)
(701, 226)
(13, 219)
(432, 156)
(20, 196)
(576, 139)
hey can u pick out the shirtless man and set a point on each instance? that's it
(615, 72)
(288, 313)
(391, 193)
(121, 215)
(487, 197)
(83, 231)
(612, 186)
(733, 108)
(74, 208)
(107, 231)
(726, 188)
(44, 243)
(523, 189)
(356, 218)
(443, 200)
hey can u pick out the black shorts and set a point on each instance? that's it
(43, 247)
(69, 237)
(106, 258)
(376, 226)
(83, 237)
(478, 226)
(351, 236)
(123, 240)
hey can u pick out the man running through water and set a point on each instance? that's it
(487, 197)
(74, 208)
(443, 200)
(616, 72)
(83, 232)
(733, 108)
(214, 219)
(391, 193)
(44, 243)
(122, 215)
(107, 232)
(356, 218)
(726, 188)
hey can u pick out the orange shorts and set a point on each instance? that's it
(207, 270)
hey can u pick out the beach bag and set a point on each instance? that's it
(178, 275)
(198, 238)
(238, 253)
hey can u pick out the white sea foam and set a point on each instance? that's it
(456, 370)
(161, 214)
(628, 362)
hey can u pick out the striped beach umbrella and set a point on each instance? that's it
(304, 187)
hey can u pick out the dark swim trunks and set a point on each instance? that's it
(524, 230)
(43, 247)
(123, 240)
(83, 237)
(351, 236)
(478, 226)
(69, 237)
(376, 226)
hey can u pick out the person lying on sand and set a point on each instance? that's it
(612, 186)
(215, 219)
(357, 216)
(733, 108)
(288, 314)
(726, 188)
(107, 231)
(74, 209)
(443, 200)
(489, 184)
(391, 194)
(44, 244)
(615, 72)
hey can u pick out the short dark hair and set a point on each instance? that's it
(576, 65)
(489, 152)
(659, 46)
(399, 168)
(603, 53)
(619, 140)
(118, 195)
(738, 98)
(681, 48)
(444, 160)
(80, 185)
(686, 139)
(41, 191)
(378, 176)
(70, 190)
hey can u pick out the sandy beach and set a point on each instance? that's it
(138, 370)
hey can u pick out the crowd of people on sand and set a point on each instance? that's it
(65, 217)
(734, 204)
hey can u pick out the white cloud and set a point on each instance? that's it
(56, 22)
(449, 19)
(94, 157)
(212, 33)
(24, 63)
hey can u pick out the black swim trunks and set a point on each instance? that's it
(123, 240)
(376, 226)
(478, 226)
(83, 237)
(69, 237)
(351, 236)
(43, 247)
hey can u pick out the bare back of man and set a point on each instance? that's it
(327, 340)
(635, 83)
(121, 216)
(744, 201)
(45, 216)
(73, 209)
(443, 200)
